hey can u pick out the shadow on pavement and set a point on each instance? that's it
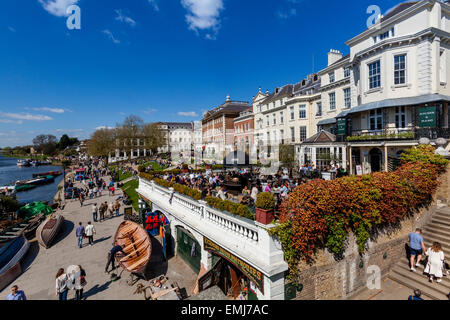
(96, 289)
(30, 256)
(157, 264)
(66, 229)
(102, 239)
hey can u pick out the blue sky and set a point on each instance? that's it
(164, 60)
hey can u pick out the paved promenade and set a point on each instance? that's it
(40, 265)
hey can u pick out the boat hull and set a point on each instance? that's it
(10, 257)
(138, 247)
(49, 229)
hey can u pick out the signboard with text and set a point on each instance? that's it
(427, 117)
(254, 275)
(341, 126)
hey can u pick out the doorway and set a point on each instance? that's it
(375, 158)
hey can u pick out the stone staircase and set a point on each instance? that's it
(438, 229)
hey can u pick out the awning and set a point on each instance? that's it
(326, 121)
(428, 98)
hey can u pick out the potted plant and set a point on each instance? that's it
(265, 208)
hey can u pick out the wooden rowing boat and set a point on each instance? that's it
(28, 228)
(49, 229)
(138, 247)
(10, 257)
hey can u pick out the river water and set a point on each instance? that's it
(10, 173)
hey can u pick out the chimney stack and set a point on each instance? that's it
(333, 56)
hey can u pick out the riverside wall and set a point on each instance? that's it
(329, 279)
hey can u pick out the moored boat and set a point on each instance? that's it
(49, 229)
(23, 163)
(33, 209)
(49, 173)
(11, 255)
(28, 228)
(138, 247)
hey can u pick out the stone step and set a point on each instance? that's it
(445, 249)
(443, 210)
(439, 221)
(414, 280)
(420, 271)
(437, 229)
(441, 217)
(443, 239)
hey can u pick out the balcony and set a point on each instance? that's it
(246, 238)
(394, 134)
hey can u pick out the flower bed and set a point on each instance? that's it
(233, 208)
(321, 214)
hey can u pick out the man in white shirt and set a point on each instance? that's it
(89, 230)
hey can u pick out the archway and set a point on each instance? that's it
(375, 158)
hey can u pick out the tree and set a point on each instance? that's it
(153, 137)
(65, 142)
(45, 143)
(129, 132)
(287, 155)
(102, 143)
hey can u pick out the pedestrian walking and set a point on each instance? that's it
(94, 212)
(416, 248)
(111, 209)
(61, 284)
(77, 278)
(117, 207)
(417, 295)
(81, 198)
(112, 256)
(90, 231)
(16, 294)
(435, 262)
(103, 208)
(80, 232)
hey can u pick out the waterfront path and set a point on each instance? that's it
(41, 265)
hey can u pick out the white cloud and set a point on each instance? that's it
(154, 4)
(188, 114)
(25, 116)
(69, 130)
(104, 127)
(10, 121)
(57, 7)
(286, 14)
(54, 110)
(203, 15)
(110, 36)
(122, 18)
(149, 111)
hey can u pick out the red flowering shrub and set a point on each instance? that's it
(320, 214)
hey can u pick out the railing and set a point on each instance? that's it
(409, 133)
(235, 225)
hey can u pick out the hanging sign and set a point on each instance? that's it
(341, 126)
(427, 117)
(254, 275)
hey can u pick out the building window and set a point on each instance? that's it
(273, 104)
(384, 35)
(293, 134)
(347, 100)
(282, 136)
(302, 133)
(376, 119)
(268, 122)
(281, 102)
(302, 111)
(374, 75)
(292, 113)
(281, 117)
(274, 119)
(443, 66)
(319, 109)
(331, 77)
(332, 101)
(400, 69)
(400, 117)
(346, 72)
